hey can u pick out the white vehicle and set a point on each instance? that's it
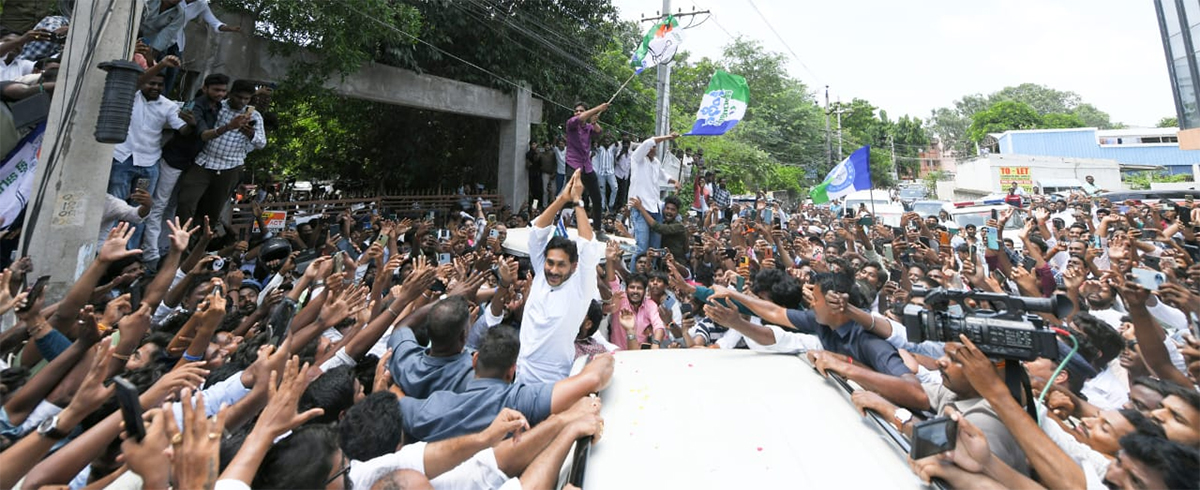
(932, 208)
(778, 424)
(878, 203)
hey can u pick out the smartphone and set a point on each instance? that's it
(249, 109)
(218, 290)
(696, 240)
(996, 215)
(189, 105)
(645, 346)
(1148, 278)
(992, 242)
(888, 252)
(745, 262)
(895, 275)
(131, 408)
(142, 184)
(944, 238)
(934, 436)
(741, 283)
(429, 217)
(438, 286)
(731, 253)
(1029, 263)
(866, 221)
(491, 217)
(339, 262)
(136, 290)
(534, 205)
(444, 258)
(494, 234)
(382, 240)
(35, 292)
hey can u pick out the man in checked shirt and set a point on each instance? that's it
(204, 188)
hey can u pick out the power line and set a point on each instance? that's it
(785, 44)
(468, 63)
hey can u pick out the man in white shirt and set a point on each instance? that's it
(12, 67)
(564, 280)
(645, 177)
(136, 160)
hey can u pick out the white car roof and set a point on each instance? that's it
(709, 418)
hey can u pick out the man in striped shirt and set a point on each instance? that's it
(204, 187)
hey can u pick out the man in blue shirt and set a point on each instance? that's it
(448, 414)
(860, 356)
(446, 365)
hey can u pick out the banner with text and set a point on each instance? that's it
(16, 176)
(1020, 175)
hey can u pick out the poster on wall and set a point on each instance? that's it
(1020, 175)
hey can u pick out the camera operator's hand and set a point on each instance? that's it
(977, 368)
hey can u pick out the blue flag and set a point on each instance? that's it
(723, 106)
(852, 175)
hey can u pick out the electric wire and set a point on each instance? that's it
(785, 44)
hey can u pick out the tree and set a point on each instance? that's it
(1057, 120)
(1168, 122)
(1003, 116)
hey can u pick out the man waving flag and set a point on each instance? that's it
(852, 175)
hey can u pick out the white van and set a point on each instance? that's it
(878, 203)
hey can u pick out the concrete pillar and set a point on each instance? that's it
(62, 220)
(514, 142)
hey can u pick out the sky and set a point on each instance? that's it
(915, 56)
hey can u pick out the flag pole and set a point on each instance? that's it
(614, 96)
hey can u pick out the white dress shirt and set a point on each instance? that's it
(17, 69)
(144, 140)
(646, 176)
(553, 314)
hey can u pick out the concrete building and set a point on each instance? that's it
(990, 174)
(936, 158)
(1134, 149)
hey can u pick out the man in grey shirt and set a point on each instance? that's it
(447, 414)
(446, 364)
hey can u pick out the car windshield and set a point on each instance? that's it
(912, 192)
(979, 219)
(855, 204)
(927, 208)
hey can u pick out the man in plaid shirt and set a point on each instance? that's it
(204, 188)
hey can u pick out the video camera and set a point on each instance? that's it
(1011, 333)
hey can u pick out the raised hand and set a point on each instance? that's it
(196, 461)
(113, 248)
(279, 416)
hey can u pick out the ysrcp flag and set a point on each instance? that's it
(852, 175)
(16, 176)
(658, 46)
(724, 105)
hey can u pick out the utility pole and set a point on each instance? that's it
(895, 165)
(62, 220)
(828, 138)
(839, 112)
(662, 101)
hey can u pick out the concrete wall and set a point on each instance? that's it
(247, 56)
(984, 173)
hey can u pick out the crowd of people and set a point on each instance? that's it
(396, 348)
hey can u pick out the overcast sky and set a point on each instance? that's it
(911, 57)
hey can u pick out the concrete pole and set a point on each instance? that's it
(828, 138)
(662, 112)
(62, 221)
(839, 121)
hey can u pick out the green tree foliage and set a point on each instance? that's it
(1058, 120)
(1003, 116)
(1168, 122)
(952, 125)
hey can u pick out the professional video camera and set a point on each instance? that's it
(1011, 333)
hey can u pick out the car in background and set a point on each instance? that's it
(877, 202)
(911, 194)
(931, 208)
(1151, 196)
(977, 214)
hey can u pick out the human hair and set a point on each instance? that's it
(595, 314)
(882, 271)
(242, 87)
(333, 391)
(497, 352)
(216, 79)
(1189, 395)
(830, 282)
(1142, 424)
(638, 278)
(566, 245)
(1153, 384)
(447, 321)
(1103, 338)
(1177, 463)
(371, 428)
(672, 199)
(783, 289)
(303, 459)
(579, 103)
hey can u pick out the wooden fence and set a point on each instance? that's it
(410, 206)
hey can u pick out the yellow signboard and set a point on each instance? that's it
(1020, 175)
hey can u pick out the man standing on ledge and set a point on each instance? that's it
(580, 129)
(564, 283)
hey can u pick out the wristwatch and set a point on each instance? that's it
(49, 429)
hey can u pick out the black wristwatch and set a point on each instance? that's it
(49, 429)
